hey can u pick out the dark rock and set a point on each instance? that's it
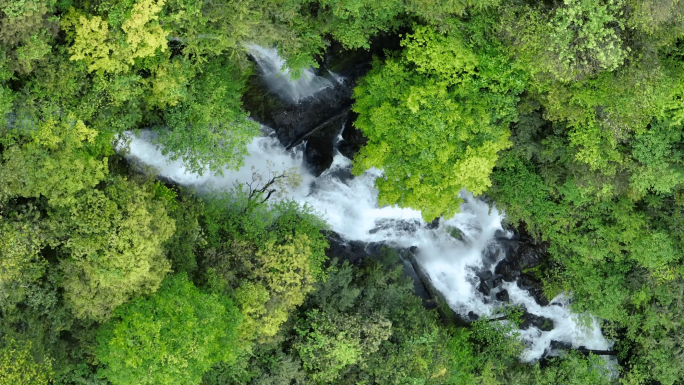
(524, 250)
(528, 280)
(538, 296)
(533, 286)
(560, 345)
(318, 155)
(491, 254)
(472, 316)
(456, 233)
(396, 225)
(529, 256)
(352, 137)
(434, 224)
(508, 270)
(497, 281)
(483, 287)
(343, 174)
(343, 250)
(377, 250)
(503, 296)
(542, 323)
(484, 275)
(293, 121)
(418, 285)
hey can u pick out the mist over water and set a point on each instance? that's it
(349, 205)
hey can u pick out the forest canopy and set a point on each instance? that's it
(567, 115)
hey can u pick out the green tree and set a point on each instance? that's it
(105, 51)
(27, 30)
(436, 119)
(365, 325)
(208, 129)
(267, 257)
(17, 365)
(578, 39)
(56, 162)
(329, 342)
(273, 280)
(113, 239)
(21, 263)
(172, 337)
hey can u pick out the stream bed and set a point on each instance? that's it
(469, 260)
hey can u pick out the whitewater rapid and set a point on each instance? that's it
(349, 205)
(279, 80)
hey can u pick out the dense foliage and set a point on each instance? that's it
(365, 325)
(436, 119)
(171, 338)
(567, 114)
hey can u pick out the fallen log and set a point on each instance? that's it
(584, 350)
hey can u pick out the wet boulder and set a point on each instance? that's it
(419, 287)
(541, 323)
(503, 296)
(343, 250)
(560, 345)
(533, 286)
(400, 225)
(342, 174)
(529, 256)
(484, 275)
(497, 281)
(528, 280)
(508, 270)
(491, 254)
(352, 137)
(318, 155)
(456, 233)
(434, 224)
(501, 235)
(524, 251)
(485, 285)
(484, 288)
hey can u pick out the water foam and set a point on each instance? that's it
(277, 76)
(349, 205)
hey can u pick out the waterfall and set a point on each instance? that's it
(349, 205)
(277, 76)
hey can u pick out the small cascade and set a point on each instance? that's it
(349, 205)
(338, 78)
(277, 76)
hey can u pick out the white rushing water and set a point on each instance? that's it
(350, 207)
(277, 76)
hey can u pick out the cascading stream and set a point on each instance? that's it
(279, 80)
(349, 205)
